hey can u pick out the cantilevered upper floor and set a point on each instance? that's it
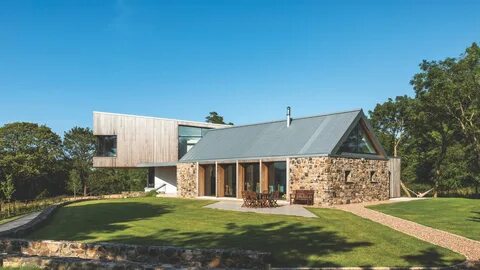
(132, 141)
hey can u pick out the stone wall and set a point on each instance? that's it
(340, 180)
(178, 257)
(187, 180)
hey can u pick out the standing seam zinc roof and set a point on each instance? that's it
(305, 136)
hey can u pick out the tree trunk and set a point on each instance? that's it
(84, 189)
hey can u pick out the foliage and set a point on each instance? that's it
(214, 117)
(79, 145)
(7, 188)
(74, 183)
(440, 127)
(390, 120)
(151, 193)
(16, 208)
(31, 154)
(335, 238)
(41, 166)
(110, 181)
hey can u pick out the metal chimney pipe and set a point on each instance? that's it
(289, 117)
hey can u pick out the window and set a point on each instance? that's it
(252, 177)
(230, 178)
(277, 177)
(358, 142)
(347, 174)
(106, 146)
(373, 177)
(188, 137)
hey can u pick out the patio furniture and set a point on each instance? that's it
(263, 199)
(273, 198)
(302, 196)
(247, 199)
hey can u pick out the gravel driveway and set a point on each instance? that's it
(467, 247)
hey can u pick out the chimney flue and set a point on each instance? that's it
(289, 117)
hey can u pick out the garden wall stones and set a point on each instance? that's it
(187, 180)
(204, 258)
(340, 180)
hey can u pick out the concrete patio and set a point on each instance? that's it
(282, 209)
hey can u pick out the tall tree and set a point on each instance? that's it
(31, 154)
(390, 120)
(79, 145)
(215, 118)
(454, 85)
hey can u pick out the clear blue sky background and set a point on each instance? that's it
(247, 60)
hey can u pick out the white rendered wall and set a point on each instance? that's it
(167, 176)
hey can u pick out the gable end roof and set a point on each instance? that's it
(308, 136)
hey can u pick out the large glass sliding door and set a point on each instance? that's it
(252, 177)
(230, 178)
(277, 177)
(210, 180)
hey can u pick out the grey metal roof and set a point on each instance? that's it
(316, 135)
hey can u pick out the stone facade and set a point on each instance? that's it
(131, 254)
(340, 180)
(187, 180)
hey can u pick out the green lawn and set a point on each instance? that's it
(456, 215)
(336, 238)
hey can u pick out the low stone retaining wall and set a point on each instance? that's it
(184, 257)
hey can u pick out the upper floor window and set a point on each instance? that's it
(188, 137)
(106, 146)
(358, 142)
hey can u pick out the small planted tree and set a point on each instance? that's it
(7, 187)
(74, 183)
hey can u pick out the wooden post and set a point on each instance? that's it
(263, 176)
(240, 179)
(201, 180)
(220, 180)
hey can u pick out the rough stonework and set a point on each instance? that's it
(340, 180)
(187, 180)
(110, 252)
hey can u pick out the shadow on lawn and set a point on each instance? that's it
(82, 220)
(476, 217)
(291, 244)
(429, 257)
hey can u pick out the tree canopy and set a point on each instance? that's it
(215, 118)
(437, 132)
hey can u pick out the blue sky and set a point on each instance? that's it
(247, 60)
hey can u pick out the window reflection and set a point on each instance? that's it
(106, 146)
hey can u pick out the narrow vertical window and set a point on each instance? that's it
(347, 174)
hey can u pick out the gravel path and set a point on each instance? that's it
(467, 247)
(19, 221)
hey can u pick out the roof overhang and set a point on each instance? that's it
(157, 164)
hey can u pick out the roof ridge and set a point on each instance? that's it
(293, 118)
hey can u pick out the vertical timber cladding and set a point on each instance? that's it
(327, 176)
(187, 180)
(140, 139)
(394, 167)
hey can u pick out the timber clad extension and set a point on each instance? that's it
(336, 155)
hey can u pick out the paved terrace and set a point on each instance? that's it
(283, 209)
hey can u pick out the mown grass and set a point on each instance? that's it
(335, 238)
(456, 215)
